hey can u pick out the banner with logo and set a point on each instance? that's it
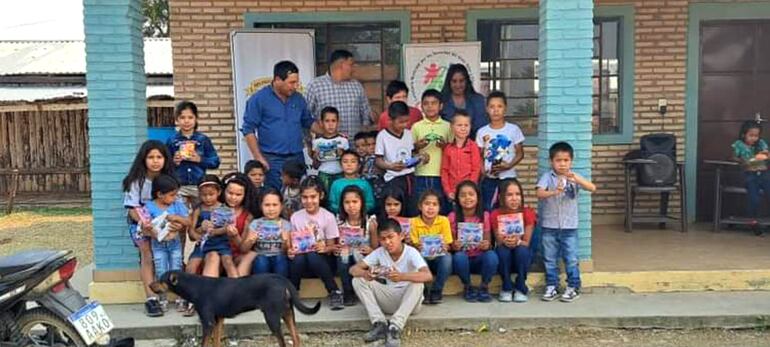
(254, 53)
(426, 65)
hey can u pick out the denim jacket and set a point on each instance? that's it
(188, 172)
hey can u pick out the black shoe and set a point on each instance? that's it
(335, 301)
(393, 338)
(152, 308)
(427, 297)
(436, 297)
(378, 331)
(349, 299)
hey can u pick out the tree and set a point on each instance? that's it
(156, 18)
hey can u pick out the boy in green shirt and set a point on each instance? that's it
(430, 135)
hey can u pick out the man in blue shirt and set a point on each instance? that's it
(273, 122)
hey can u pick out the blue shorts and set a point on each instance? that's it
(196, 253)
(136, 237)
(219, 244)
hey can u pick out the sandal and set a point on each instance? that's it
(189, 311)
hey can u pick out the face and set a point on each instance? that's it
(271, 206)
(391, 240)
(370, 144)
(349, 164)
(168, 198)
(186, 120)
(311, 199)
(330, 123)
(351, 202)
(288, 86)
(468, 198)
(400, 96)
(457, 83)
(257, 177)
(431, 107)
(512, 197)
(496, 109)
(154, 161)
(360, 143)
(429, 207)
(392, 207)
(561, 163)
(399, 124)
(461, 126)
(287, 181)
(234, 194)
(752, 136)
(209, 195)
(346, 68)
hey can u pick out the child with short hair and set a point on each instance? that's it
(398, 91)
(350, 176)
(192, 150)
(502, 145)
(267, 239)
(328, 147)
(460, 159)
(255, 170)
(291, 175)
(512, 225)
(431, 134)
(357, 238)
(432, 235)
(752, 152)
(558, 191)
(365, 142)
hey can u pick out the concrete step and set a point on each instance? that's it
(658, 310)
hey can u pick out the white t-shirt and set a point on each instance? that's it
(410, 261)
(327, 153)
(394, 149)
(509, 135)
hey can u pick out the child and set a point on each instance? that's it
(393, 203)
(317, 226)
(356, 237)
(151, 161)
(395, 152)
(328, 147)
(460, 160)
(430, 135)
(290, 178)
(192, 150)
(752, 151)
(398, 91)
(473, 251)
(256, 172)
(265, 245)
(557, 191)
(502, 147)
(431, 227)
(512, 225)
(350, 176)
(365, 143)
(166, 249)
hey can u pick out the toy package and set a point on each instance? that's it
(432, 246)
(269, 239)
(498, 148)
(405, 226)
(470, 235)
(511, 224)
(303, 240)
(187, 150)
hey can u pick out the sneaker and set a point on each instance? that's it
(436, 297)
(393, 338)
(336, 301)
(520, 297)
(152, 308)
(427, 296)
(505, 296)
(483, 295)
(550, 293)
(378, 331)
(470, 294)
(570, 295)
(180, 305)
(349, 299)
(164, 305)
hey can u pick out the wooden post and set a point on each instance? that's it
(12, 191)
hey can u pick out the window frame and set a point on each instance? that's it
(625, 16)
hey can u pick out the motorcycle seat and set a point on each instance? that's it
(21, 261)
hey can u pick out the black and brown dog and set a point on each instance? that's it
(218, 298)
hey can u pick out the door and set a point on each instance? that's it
(734, 86)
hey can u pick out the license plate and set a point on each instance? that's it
(91, 322)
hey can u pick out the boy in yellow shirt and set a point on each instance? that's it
(431, 235)
(431, 134)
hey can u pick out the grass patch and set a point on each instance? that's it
(50, 211)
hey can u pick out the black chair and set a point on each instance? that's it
(722, 187)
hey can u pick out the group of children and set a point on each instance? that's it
(453, 194)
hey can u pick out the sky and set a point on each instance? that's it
(41, 20)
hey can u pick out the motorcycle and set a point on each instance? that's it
(38, 307)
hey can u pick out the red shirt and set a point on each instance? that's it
(459, 164)
(530, 218)
(485, 227)
(415, 115)
(240, 224)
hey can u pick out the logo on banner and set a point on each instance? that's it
(262, 82)
(430, 71)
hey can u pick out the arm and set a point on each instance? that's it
(210, 158)
(367, 118)
(586, 184)
(422, 275)
(542, 193)
(476, 165)
(184, 221)
(250, 240)
(195, 233)
(519, 154)
(361, 269)
(374, 241)
(445, 183)
(384, 165)
(256, 152)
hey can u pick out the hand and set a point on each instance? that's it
(365, 250)
(368, 275)
(252, 237)
(511, 241)
(232, 231)
(571, 176)
(484, 245)
(456, 245)
(397, 166)
(760, 156)
(177, 158)
(486, 138)
(451, 196)
(262, 160)
(175, 227)
(147, 228)
(502, 166)
(291, 253)
(395, 276)
(321, 247)
(207, 225)
(445, 246)
(560, 186)
(425, 158)
(422, 143)
(441, 142)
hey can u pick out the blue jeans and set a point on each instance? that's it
(424, 183)
(441, 268)
(518, 260)
(488, 188)
(277, 264)
(754, 182)
(343, 268)
(485, 264)
(167, 256)
(273, 176)
(561, 243)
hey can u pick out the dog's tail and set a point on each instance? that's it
(294, 297)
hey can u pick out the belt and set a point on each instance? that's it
(282, 155)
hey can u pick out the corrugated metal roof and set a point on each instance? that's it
(47, 93)
(69, 57)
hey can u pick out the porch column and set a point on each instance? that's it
(117, 121)
(565, 104)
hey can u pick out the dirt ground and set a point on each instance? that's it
(60, 229)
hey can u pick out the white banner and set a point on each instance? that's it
(426, 65)
(254, 53)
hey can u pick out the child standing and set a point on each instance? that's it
(752, 151)
(365, 143)
(473, 254)
(430, 135)
(266, 242)
(192, 150)
(151, 161)
(328, 147)
(398, 91)
(256, 172)
(557, 191)
(431, 227)
(350, 176)
(460, 160)
(502, 147)
(290, 178)
(512, 225)
(356, 237)
(313, 237)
